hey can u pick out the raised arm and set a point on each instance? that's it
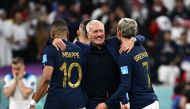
(59, 44)
(127, 46)
(10, 86)
(28, 88)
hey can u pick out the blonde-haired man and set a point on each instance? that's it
(135, 72)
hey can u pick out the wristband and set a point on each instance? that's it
(33, 102)
(133, 39)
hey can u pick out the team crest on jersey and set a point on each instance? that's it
(124, 70)
(44, 59)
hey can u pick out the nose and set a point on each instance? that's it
(99, 33)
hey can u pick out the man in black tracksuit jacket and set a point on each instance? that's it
(102, 76)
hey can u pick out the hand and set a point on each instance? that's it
(32, 107)
(15, 75)
(59, 44)
(20, 75)
(124, 106)
(101, 106)
(126, 46)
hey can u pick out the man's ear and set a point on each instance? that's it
(88, 35)
(78, 33)
(68, 34)
(119, 34)
(52, 33)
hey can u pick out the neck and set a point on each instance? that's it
(84, 40)
(98, 46)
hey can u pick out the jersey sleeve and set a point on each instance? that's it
(140, 39)
(7, 81)
(124, 99)
(125, 70)
(31, 82)
(113, 38)
(48, 56)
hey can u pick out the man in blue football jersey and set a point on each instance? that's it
(62, 72)
(135, 72)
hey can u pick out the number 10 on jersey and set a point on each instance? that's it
(68, 73)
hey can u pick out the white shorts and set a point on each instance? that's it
(154, 105)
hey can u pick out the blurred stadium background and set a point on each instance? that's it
(24, 31)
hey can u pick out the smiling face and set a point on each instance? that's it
(96, 33)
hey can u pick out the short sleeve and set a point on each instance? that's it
(7, 80)
(31, 82)
(48, 56)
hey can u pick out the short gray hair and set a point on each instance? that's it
(93, 22)
(128, 27)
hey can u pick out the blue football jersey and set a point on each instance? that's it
(135, 79)
(65, 90)
(135, 71)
